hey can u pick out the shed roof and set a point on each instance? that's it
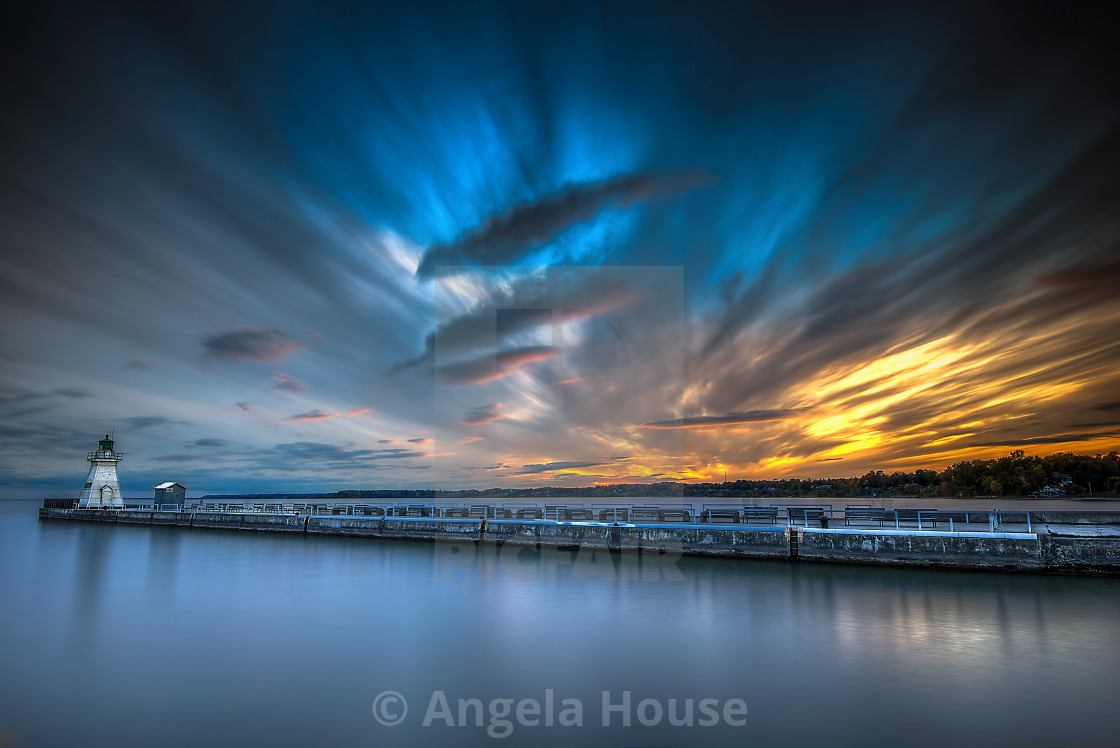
(169, 485)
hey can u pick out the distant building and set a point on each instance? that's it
(102, 489)
(171, 493)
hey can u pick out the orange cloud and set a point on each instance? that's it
(469, 439)
(731, 419)
(357, 412)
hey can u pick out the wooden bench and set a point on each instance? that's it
(674, 515)
(529, 512)
(928, 516)
(753, 514)
(805, 514)
(645, 514)
(456, 512)
(578, 515)
(862, 514)
(724, 516)
(615, 514)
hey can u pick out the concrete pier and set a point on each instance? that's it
(1076, 546)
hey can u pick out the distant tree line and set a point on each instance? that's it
(1015, 475)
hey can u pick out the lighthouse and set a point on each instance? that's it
(102, 490)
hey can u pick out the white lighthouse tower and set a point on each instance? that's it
(102, 490)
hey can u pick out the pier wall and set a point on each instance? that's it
(1083, 549)
(973, 550)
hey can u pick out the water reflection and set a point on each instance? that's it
(306, 631)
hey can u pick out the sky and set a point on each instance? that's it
(301, 247)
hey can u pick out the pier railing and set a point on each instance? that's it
(854, 516)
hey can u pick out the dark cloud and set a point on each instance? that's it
(731, 419)
(1054, 439)
(137, 364)
(297, 456)
(421, 440)
(560, 295)
(246, 407)
(208, 443)
(547, 467)
(482, 414)
(312, 415)
(505, 238)
(74, 393)
(287, 383)
(496, 366)
(142, 423)
(251, 345)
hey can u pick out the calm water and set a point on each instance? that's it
(135, 636)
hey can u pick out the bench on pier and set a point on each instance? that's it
(645, 514)
(922, 517)
(805, 514)
(713, 516)
(754, 514)
(578, 514)
(529, 512)
(456, 512)
(864, 514)
(674, 515)
(615, 514)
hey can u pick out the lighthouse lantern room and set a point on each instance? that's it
(102, 490)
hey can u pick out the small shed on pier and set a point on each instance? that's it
(170, 493)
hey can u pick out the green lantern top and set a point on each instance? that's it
(105, 445)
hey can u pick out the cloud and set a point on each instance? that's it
(489, 368)
(282, 381)
(74, 393)
(312, 415)
(136, 364)
(246, 407)
(1105, 276)
(357, 412)
(208, 443)
(548, 467)
(470, 439)
(387, 441)
(421, 440)
(1054, 439)
(251, 345)
(315, 456)
(507, 237)
(558, 296)
(140, 423)
(482, 414)
(731, 419)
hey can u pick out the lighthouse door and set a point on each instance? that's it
(106, 496)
